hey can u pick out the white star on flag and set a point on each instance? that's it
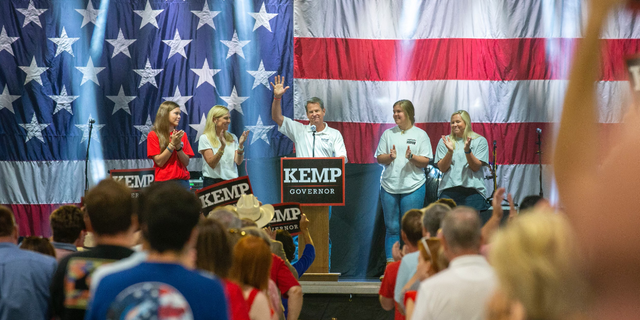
(6, 99)
(31, 14)
(205, 74)
(262, 18)
(121, 101)
(90, 72)
(144, 129)
(148, 74)
(260, 131)
(85, 130)
(34, 129)
(63, 101)
(33, 72)
(148, 15)
(199, 126)
(261, 76)
(64, 43)
(6, 41)
(89, 15)
(206, 16)
(234, 102)
(177, 45)
(121, 45)
(235, 45)
(179, 99)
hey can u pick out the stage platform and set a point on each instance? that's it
(345, 299)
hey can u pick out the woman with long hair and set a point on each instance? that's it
(402, 184)
(213, 254)
(169, 148)
(251, 269)
(460, 156)
(222, 151)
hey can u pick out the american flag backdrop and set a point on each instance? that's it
(63, 62)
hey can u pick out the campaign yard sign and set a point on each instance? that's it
(287, 217)
(135, 179)
(313, 181)
(223, 193)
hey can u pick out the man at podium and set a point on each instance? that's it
(314, 140)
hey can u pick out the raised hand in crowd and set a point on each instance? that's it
(396, 252)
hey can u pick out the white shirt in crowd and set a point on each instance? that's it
(401, 176)
(329, 142)
(459, 174)
(226, 168)
(460, 292)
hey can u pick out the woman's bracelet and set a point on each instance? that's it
(274, 98)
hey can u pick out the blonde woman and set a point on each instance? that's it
(221, 149)
(460, 156)
(536, 260)
(169, 148)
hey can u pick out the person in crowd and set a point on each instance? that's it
(464, 288)
(168, 147)
(251, 264)
(214, 254)
(25, 276)
(460, 156)
(309, 253)
(162, 285)
(446, 201)
(402, 184)
(68, 230)
(537, 264)
(328, 142)
(221, 150)
(411, 233)
(532, 201)
(38, 244)
(492, 225)
(430, 262)
(226, 215)
(431, 217)
(110, 214)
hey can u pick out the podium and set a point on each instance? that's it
(315, 183)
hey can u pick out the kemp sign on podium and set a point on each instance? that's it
(313, 181)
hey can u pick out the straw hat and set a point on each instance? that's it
(249, 207)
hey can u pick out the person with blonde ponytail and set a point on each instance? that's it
(169, 148)
(221, 150)
(460, 156)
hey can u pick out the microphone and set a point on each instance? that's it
(313, 151)
(495, 143)
(92, 121)
(538, 130)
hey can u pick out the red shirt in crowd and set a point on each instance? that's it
(282, 276)
(173, 168)
(238, 308)
(389, 284)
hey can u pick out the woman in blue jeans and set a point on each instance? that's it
(460, 156)
(402, 185)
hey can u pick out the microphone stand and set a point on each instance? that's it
(86, 161)
(313, 150)
(539, 152)
(495, 167)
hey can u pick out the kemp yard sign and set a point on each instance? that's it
(313, 181)
(287, 217)
(136, 179)
(223, 193)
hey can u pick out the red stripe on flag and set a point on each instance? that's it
(450, 59)
(516, 142)
(33, 219)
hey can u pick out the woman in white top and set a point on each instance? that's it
(221, 150)
(460, 156)
(402, 185)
